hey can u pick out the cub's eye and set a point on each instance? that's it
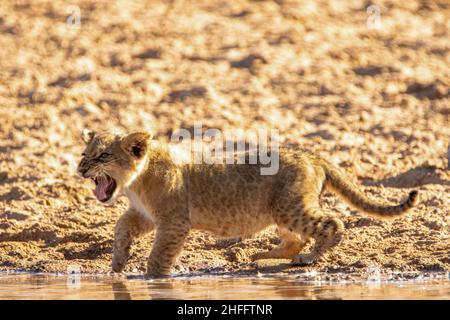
(104, 156)
(83, 154)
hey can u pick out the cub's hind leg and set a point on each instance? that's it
(297, 209)
(290, 245)
(327, 232)
(130, 225)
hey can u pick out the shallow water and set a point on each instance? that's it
(304, 286)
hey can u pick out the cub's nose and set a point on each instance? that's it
(82, 169)
(82, 172)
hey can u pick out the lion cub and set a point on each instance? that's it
(229, 200)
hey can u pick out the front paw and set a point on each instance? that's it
(118, 263)
(155, 270)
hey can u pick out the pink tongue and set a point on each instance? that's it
(100, 189)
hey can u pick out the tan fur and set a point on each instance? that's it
(228, 200)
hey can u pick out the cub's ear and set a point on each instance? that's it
(87, 135)
(136, 143)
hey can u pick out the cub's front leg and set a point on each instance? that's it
(169, 240)
(131, 224)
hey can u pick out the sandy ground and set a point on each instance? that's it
(374, 101)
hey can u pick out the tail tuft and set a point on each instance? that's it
(412, 198)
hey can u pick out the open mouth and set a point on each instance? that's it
(104, 187)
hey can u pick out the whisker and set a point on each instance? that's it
(111, 161)
(99, 170)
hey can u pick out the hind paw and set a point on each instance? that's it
(119, 262)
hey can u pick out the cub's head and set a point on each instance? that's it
(112, 161)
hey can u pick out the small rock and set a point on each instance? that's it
(248, 62)
(368, 71)
(5, 225)
(117, 60)
(181, 95)
(365, 222)
(431, 91)
(4, 174)
(360, 264)
(434, 225)
(324, 134)
(223, 243)
(390, 250)
(16, 193)
(11, 215)
(149, 54)
(324, 91)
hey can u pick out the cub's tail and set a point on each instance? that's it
(344, 186)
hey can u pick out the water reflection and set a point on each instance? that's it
(44, 286)
(120, 291)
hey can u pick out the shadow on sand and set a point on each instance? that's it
(421, 175)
